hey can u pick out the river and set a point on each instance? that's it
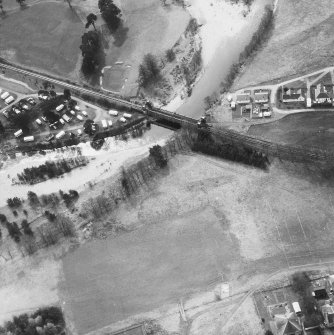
(224, 57)
(115, 153)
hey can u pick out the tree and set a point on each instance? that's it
(90, 48)
(268, 332)
(21, 2)
(170, 55)
(1, 7)
(110, 13)
(67, 94)
(3, 218)
(14, 202)
(33, 199)
(69, 3)
(149, 70)
(156, 153)
(91, 18)
(26, 227)
(2, 128)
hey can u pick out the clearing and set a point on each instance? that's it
(44, 36)
(309, 129)
(205, 219)
(302, 42)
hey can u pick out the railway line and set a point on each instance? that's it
(166, 119)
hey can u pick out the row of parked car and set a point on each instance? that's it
(20, 107)
(6, 97)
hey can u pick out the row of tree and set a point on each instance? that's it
(45, 321)
(50, 170)
(259, 38)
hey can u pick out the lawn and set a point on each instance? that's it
(302, 42)
(310, 129)
(45, 36)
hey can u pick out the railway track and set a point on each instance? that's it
(286, 152)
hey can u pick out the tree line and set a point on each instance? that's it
(92, 41)
(44, 321)
(50, 170)
(260, 37)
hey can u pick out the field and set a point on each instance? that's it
(205, 219)
(147, 28)
(302, 42)
(114, 78)
(310, 129)
(45, 36)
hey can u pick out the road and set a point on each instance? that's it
(274, 87)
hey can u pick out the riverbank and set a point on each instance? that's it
(224, 32)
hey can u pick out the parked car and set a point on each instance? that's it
(123, 119)
(32, 101)
(50, 137)
(72, 112)
(84, 113)
(9, 100)
(38, 121)
(79, 117)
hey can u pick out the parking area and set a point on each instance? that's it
(6, 98)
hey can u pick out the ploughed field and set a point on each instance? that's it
(206, 218)
(310, 129)
(45, 36)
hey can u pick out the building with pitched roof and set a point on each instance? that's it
(261, 97)
(287, 324)
(243, 98)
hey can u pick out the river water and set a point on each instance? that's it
(225, 56)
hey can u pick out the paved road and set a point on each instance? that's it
(274, 87)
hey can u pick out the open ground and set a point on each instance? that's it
(207, 218)
(43, 36)
(309, 129)
(302, 42)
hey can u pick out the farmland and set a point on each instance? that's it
(205, 218)
(310, 129)
(302, 42)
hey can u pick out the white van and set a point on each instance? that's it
(66, 118)
(18, 133)
(127, 115)
(104, 124)
(59, 108)
(109, 123)
(9, 100)
(113, 112)
(60, 135)
(38, 121)
(4, 95)
(79, 117)
(29, 139)
(296, 307)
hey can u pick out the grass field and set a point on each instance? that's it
(205, 219)
(147, 28)
(302, 42)
(45, 36)
(311, 129)
(114, 78)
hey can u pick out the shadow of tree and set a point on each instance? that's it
(120, 35)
